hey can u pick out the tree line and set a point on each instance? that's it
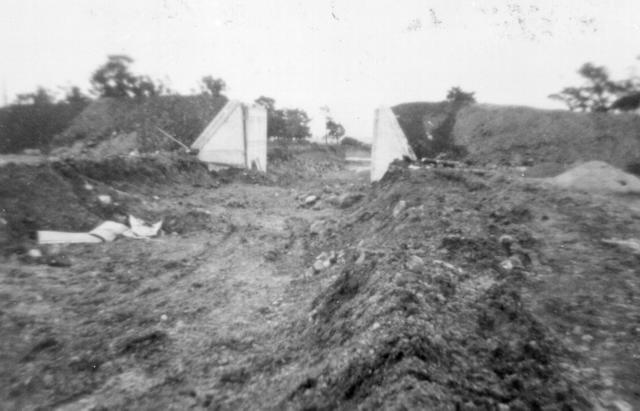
(600, 93)
(115, 79)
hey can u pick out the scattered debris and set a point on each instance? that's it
(105, 232)
(60, 237)
(140, 229)
(325, 260)
(108, 231)
(436, 162)
(632, 244)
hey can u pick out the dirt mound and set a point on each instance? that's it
(523, 136)
(134, 123)
(598, 177)
(65, 195)
(422, 317)
(34, 125)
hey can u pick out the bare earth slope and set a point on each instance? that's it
(493, 134)
(416, 311)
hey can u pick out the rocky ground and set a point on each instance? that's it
(311, 289)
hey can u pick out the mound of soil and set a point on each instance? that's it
(134, 122)
(598, 177)
(508, 135)
(449, 300)
(65, 195)
(393, 333)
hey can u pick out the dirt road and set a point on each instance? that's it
(181, 320)
(415, 310)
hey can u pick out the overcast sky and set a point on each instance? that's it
(350, 55)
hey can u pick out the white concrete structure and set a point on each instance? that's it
(237, 137)
(389, 143)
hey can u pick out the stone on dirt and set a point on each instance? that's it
(399, 208)
(346, 200)
(317, 227)
(105, 199)
(310, 200)
(415, 264)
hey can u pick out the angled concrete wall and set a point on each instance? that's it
(389, 143)
(256, 137)
(237, 137)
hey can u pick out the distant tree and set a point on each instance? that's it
(598, 92)
(292, 124)
(212, 86)
(266, 102)
(40, 97)
(76, 96)
(459, 97)
(629, 102)
(144, 87)
(296, 124)
(335, 130)
(114, 78)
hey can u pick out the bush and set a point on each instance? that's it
(34, 125)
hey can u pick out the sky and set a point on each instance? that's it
(349, 55)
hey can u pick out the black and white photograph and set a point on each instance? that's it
(320, 205)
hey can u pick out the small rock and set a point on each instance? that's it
(310, 200)
(587, 338)
(105, 199)
(318, 266)
(415, 263)
(164, 317)
(88, 187)
(399, 208)
(348, 199)
(317, 227)
(34, 253)
(507, 265)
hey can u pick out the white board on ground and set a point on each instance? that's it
(389, 143)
